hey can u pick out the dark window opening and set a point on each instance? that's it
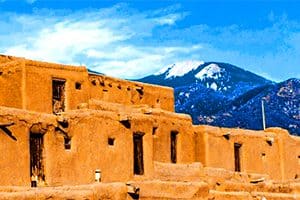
(1, 73)
(78, 86)
(58, 95)
(119, 87)
(174, 146)
(105, 90)
(94, 82)
(64, 123)
(140, 90)
(67, 143)
(237, 163)
(36, 158)
(154, 129)
(157, 100)
(111, 141)
(102, 83)
(128, 89)
(126, 123)
(227, 136)
(138, 153)
(110, 85)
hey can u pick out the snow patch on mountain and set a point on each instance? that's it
(210, 71)
(180, 68)
(214, 86)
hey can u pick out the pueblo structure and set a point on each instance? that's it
(76, 134)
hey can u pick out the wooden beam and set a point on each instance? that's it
(5, 124)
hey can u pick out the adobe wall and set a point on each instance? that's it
(165, 123)
(130, 93)
(261, 152)
(14, 144)
(27, 84)
(11, 82)
(289, 147)
(39, 77)
(89, 132)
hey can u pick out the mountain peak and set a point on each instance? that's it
(210, 71)
(179, 69)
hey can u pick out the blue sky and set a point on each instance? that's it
(133, 39)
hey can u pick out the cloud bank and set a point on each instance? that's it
(128, 43)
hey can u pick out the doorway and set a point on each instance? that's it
(237, 159)
(138, 153)
(36, 157)
(174, 146)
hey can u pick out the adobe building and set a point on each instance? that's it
(61, 126)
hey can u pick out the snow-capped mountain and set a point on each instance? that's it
(227, 79)
(224, 95)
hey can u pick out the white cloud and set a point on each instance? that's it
(102, 39)
(127, 43)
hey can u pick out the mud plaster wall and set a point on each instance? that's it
(39, 85)
(14, 156)
(130, 93)
(11, 84)
(289, 153)
(14, 144)
(28, 84)
(164, 125)
(90, 149)
(292, 157)
(256, 154)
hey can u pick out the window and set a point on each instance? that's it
(58, 95)
(67, 143)
(154, 130)
(78, 86)
(111, 141)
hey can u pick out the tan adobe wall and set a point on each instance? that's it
(261, 152)
(165, 124)
(27, 84)
(130, 93)
(14, 144)
(289, 153)
(11, 76)
(39, 77)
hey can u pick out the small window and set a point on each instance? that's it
(1, 73)
(111, 141)
(299, 160)
(140, 90)
(94, 82)
(263, 156)
(78, 86)
(154, 130)
(67, 143)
